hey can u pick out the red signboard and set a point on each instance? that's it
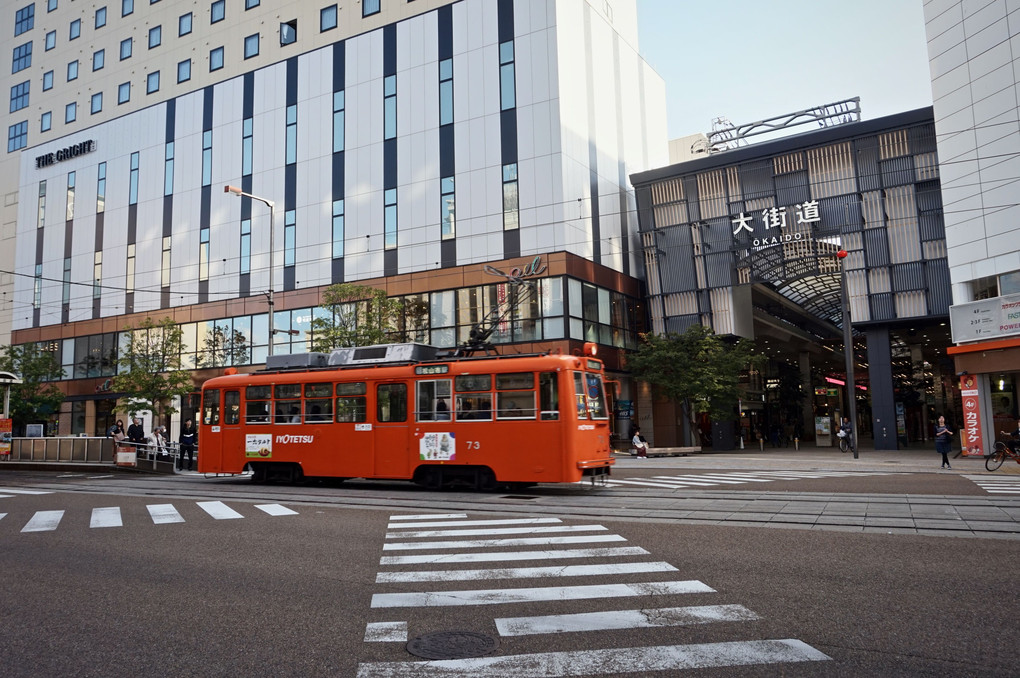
(5, 437)
(973, 445)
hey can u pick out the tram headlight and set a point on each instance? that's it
(591, 348)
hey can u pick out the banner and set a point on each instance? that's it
(973, 445)
(6, 427)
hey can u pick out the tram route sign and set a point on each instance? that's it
(985, 319)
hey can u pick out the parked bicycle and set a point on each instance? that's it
(846, 442)
(999, 454)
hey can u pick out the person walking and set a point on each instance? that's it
(943, 441)
(136, 435)
(640, 445)
(188, 441)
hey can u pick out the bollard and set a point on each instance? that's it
(741, 442)
(796, 443)
(761, 444)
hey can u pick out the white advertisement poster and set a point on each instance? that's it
(438, 447)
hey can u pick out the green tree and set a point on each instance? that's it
(697, 369)
(221, 348)
(150, 362)
(36, 399)
(355, 315)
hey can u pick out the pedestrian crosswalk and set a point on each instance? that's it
(702, 480)
(8, 492)
(632, 592)
(158, 514)
(997, 484)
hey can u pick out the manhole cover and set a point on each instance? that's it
(452, 645)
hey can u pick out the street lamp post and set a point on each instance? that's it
(272, 253)
(848, 351)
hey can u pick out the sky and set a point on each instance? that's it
(749, 60)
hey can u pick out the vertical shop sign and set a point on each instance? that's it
(6, 427)
(973, 446)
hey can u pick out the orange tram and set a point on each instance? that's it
(402, 411)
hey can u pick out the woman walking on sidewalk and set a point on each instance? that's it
(943, 441)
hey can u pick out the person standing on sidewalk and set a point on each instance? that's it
(943, 441)
(188, 441)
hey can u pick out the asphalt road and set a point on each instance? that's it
(292, 588)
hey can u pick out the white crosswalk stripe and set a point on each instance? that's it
(219, 510)
(276, 510)
(596, 662)
(43, 521)
(696, 480)
(164, 514)
(18, 490)
(997, 484)
(106, 517)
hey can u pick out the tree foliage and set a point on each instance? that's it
(354, 315)
(150, 362)
(697, 369)
(36, 399)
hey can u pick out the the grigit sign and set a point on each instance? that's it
(72, 151)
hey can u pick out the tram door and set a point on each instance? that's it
(391, 430)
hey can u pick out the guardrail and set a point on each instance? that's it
(84, 450)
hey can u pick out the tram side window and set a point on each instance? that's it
(579, 401)
(391, 402)
(596, 396)
(287, 403)
(231, 407)
(433, 400)
(548, 396)
(211, 408)
(256, 405)
(515, 397)
(350, 402)
(474, 400)
(318, 403)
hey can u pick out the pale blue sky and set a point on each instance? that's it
(749, 60)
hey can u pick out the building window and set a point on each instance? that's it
(98, 59)
(72, 70)
(248, 4)
(24, 19)
(51, 5)
(125, 48)
(245, 246)
(184, 70)
(507, 91)
(390, 218)
(289, 238)
(75, 29)
(97, 102)
(164, 277)
(291, 136)
(152, 82)
(127, 7)
(446, 91)
(216, 59)
(133, 180)
(217, 11)
(168, 169)
(288, 32)
(97, 275)
(100, 17)
(65, 294)
(246, 147)
(184, 24)
(37, 291)
(390, 107)
(129, 272)
(155, 36)
(70, 195)
(46, 122)
(22, 58)
(338, 121)
(510, 202)
(17, 136)
(124, 93)
(41, 212)
(203, 254)
(51, 40)
(207, 157)
(101, 188)
(338, 229)
(47, 80)
(70, 112)
(369, 7)
(327, 18)
(447, 208)
(251, 46)
(19, 96)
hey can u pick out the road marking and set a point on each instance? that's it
(164, 514)
(529, 595)
(15, 490)
(474, 523)
(106, 517)
(2, 515)
(736, 478)
(997, 485)
(386, 632)
(629, 660)
(523, 572)
(71, 475)
(43, 521)
(494, 531)
(436, 558)
(219, 510)
(100, 477)
(485, 543)
(276, 510)
(430, 516)
(623, 619)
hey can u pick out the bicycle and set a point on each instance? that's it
(846, 443)
(999, 453)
